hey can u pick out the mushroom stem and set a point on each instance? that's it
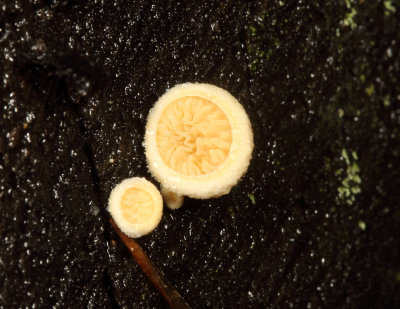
(169, 293)
(171, 199)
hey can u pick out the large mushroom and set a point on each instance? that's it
(198, 142)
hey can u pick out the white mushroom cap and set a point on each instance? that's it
(136, 206)
(227, 174)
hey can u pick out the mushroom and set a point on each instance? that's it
(198, 141)
(136, 206)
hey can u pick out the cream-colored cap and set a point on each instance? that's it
(136, 206)
(198, 140)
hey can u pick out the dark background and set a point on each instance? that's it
(315, 222)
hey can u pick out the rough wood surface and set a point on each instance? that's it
(314, 223)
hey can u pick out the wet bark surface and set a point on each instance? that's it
(315, 222)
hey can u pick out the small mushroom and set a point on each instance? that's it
(136, 206)
(198, 141)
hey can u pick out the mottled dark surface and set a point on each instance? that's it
(314, 223)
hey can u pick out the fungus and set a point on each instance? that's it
(198, 141)
(136, 206)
